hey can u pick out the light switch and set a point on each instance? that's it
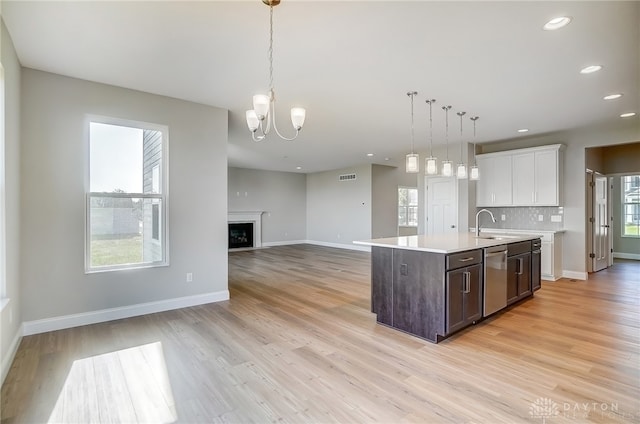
(540, 217)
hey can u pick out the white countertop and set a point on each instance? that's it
(445, 243)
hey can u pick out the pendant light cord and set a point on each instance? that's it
(474, 119)
(412, 94)
(446, 134)
(270, 52)
(431, 125)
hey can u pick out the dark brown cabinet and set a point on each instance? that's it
(464, 297)
(518, 271)
(536, 265)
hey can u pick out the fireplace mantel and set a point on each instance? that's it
(249, 216)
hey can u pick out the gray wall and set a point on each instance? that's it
(281, 195)
(54, 159)
(384, 201)
(575, 160)
(11, 318)
(339, 212)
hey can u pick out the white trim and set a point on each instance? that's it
(339, 245)
(248, 216)
(283, 243)
(575, 275)
(622, 255)
(94, 317)
(11, 354)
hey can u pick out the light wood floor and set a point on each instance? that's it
(297, 343)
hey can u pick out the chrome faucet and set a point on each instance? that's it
(477, 224)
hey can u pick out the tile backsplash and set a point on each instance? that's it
(524, 218)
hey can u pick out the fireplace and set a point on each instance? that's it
(240, 235)
(246, 225)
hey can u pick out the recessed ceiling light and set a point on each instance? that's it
(628, 115)
(557, 23)
(369, 154)
(590, 69)
(612, 96)
(386, 158)
(298, 167)
(523, 130)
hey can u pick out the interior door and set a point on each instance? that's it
(442, 205)
(601, 249)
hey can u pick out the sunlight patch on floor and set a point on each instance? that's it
(130, 385)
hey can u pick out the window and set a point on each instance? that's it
(407, 207)
(630, 205)
(127, 198)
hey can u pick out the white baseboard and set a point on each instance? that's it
(282, 243)
(318, 243)
(94, 317)
(621, 255)
(11, 354)
(577, 275)
(340, 245)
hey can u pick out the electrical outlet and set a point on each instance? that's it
(556, 218)
(503, 217)
(189, 277)
(540, 217)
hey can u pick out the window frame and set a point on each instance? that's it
(623, 208)
(162, 197)
(406, 207)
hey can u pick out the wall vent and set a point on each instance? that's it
(347, 177)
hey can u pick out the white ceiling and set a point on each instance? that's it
(350, 64)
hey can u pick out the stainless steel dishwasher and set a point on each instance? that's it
(495, 279)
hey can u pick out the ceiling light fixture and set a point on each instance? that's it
(370, 154)
(628, 115)
(474, 172)
(413, 160)
(431, 163)
(523, 130)
(461, 170)
(590, 69)
(264, 105)
(612, 96)
(447, 167)
(557, 23)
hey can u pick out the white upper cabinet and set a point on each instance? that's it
(495, 184)
(524, 177)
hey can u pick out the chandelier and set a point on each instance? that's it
(263, 115)
(412, 159)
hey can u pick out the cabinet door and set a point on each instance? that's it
(524, 275)
(502, 181)
(523, 179)
(546, 178)
(535, 270)
(418, 293)
(546, 260)
(464, 297)
(512, 279)
(382, 284)
(473, 298)
(484, 192)
(494, 186)
(455, 300)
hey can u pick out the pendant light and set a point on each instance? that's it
(461, 170)
(263, 114)
(447, 167)
(413, 160)
(474, 172)
(431, 163)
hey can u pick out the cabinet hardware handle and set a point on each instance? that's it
(467, 282)
(520, 266)
(467, 259)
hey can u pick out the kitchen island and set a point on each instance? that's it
(433, 286)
